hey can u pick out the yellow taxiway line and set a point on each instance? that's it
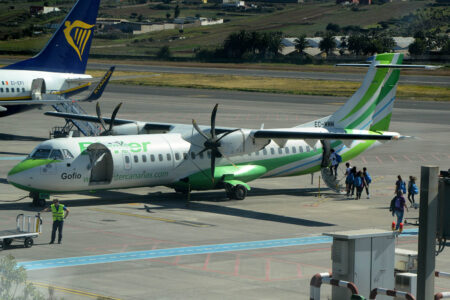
(72, 291)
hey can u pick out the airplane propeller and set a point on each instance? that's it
(113, 117)
(212, 143)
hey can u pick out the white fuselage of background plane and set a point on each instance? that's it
(16, 84)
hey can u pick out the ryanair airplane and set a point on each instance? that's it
(58, 71)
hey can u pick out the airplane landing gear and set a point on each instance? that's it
(238, 192)
(37, 200)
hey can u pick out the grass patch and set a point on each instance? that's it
(271, 85)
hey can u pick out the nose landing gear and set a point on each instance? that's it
(38, 199)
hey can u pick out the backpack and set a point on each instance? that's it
(338, 158)
(403, 187)
(358, 181)
(368, 178)
(415, 189)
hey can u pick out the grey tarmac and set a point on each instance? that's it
(142, 219)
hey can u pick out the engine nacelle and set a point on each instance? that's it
(241, 142)
(129, 129)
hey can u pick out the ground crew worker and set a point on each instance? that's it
(59, 212)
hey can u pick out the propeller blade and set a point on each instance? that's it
(213, 122)
(113, 116)
(99, 115)
(198, 130)
(227, 133)
(213, 166)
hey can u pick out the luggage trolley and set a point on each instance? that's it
(28, 227)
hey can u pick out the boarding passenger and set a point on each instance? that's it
(59, 212)
(412, 190)
(368, 180)
(400, 185)
(334, 162)
(398, 205)
(349, 181)
(359, 184)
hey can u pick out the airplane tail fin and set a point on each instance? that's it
(370, 107)
(67, 51)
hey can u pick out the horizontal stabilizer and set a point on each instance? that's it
(392, 66)
(98, 90)
(321, 135)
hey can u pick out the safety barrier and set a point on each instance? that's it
(442, 294)
(392, 293)
(319, 278)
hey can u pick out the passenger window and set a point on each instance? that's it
(23, 90)
(144, 158)
(265, 151)
(160, 157)
(257, 153)
(127, 159)
(301, 149)
(1, 90)
(280, 151)
(41, 154)
(177, 156)
(136, 159)
(192, 155)
(152, 157)
(56, 154)
(7, 90)
(67, 154)
(12, 90)
(294, 150)
(185, 156)
(287, 150)
(208, 154)
(272, 151)
(308, 148)
(201, 155)
(169, 157)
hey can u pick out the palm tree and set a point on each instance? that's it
(301, 43)
(328, 43)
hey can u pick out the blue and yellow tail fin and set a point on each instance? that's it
(68, 49)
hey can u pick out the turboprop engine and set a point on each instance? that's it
(240, 142)
(128, 129)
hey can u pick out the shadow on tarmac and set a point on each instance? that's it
(199, 202)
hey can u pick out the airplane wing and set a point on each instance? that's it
(324, 134)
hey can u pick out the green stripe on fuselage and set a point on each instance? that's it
(29, 164)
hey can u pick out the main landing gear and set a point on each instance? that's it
(237, 192)
(38, 201)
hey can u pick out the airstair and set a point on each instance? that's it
(331, 181)
(86, 128)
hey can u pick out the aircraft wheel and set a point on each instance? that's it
(239, 192)
(229, 191)
(7, 242)
(181, 191)
(28, 242)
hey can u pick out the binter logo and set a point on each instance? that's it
(77, 34)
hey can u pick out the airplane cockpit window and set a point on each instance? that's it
(56, 154)
(67, 154)
(40, 154)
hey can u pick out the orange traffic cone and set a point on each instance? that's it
(393, 225)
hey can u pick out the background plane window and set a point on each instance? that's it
(7, 90)
(193, 155)
(160, 157)
(67, 154)
(136, 159)
(265, 151)
(12, 90)
(144, 158)
(301, 149)
(272, 151)
(1, 90)
(308, 149)
(287, 150)
(177, 156)
(41, 154)
(280, 151)
(152, 157)
(56, 154)
(294, 150)
(169, 157)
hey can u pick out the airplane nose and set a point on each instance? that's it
(19, 175)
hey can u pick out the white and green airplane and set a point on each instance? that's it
(191, 157)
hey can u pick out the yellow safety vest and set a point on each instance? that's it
(58, 215)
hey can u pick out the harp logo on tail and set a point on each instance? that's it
(77, 34)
